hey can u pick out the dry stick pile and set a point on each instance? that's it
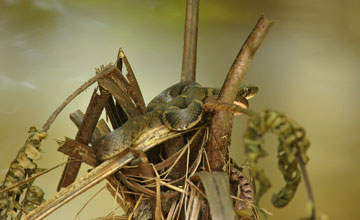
(165, 181)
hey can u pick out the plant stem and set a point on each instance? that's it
(57, 111)
(188, 71)
(307, 186)
(221, 124)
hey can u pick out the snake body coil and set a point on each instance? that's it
(177, 108)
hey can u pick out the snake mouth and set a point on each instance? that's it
(240, 104)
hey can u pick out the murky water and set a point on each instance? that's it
(308, 67)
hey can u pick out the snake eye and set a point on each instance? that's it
(246, 90)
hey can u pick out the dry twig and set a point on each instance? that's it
(188, 72)
(221, 123)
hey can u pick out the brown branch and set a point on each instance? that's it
(115, 114)
(78, 152)
(134, 91)
(143, 163)
(83, 136)
(117, 85)
(243, 59)
(221, 124)
(101, 128)
(125, 90)
(91, 117)
(53, 116)
(188, 71)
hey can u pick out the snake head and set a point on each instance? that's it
(247, 91)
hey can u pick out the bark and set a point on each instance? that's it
(188, 72)
(221, 124)
(83, 136)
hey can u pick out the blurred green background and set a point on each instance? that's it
(307, 67)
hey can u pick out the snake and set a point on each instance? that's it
(177, 108)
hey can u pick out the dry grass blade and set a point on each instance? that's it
(195, 207)
(158, 213)
(84, 206)
(118, 199)
(102, 171)
(171, 213)
(53, 116)
(190, 171)
(172, 187)
(216, 185)
(112, 218)
(183, 150)
(188, 203)
(136, 206)
(196, 188)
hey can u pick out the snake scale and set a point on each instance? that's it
(177, 108)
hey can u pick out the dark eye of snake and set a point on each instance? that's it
(246, 90)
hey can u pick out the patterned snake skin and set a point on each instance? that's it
(177, 108)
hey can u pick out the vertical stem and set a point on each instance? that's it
(188, 71)
(243, 59)
(221, 124)
(307, 185)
